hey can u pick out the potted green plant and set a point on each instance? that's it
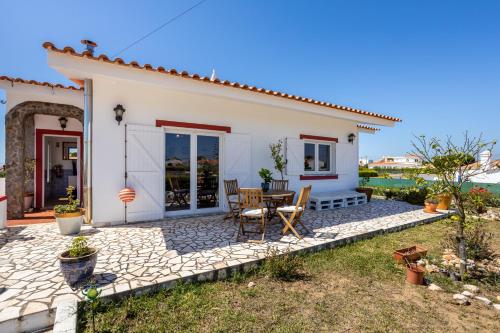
(29, 169)
(278, 157)
(267, 177)
(431, 203)
(69, 217)
(439, 189)
(363, 189)
(78, 262)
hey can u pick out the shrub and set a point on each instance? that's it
(494, 201)
(367, 173)
(412, 195)
(479, 197)
(71, 206)
(286, 266)
(478, 242)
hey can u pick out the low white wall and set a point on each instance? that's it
(3, 211)
(145, 104)
(2, 186)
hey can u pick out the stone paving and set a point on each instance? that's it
(145, 254)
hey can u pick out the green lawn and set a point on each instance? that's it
(348, 289)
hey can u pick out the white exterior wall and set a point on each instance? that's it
(146, 103)
(490, 176)
(21, 92)
(52, 122)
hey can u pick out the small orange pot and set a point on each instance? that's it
(415, 274)
(430, 207)
(444, 201)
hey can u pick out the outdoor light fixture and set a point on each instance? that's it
(63, 121)
(351, 137)
(119, 110)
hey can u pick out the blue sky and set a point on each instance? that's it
(435, 64)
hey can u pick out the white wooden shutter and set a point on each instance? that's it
(145, 170)
(294, 156)
(237, 158)
(345, 159)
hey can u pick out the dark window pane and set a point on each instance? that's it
(208, 171)
(324, 157)
(177, 171)
(309, 157)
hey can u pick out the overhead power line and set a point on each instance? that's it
(159, 28)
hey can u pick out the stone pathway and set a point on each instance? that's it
(146, 254)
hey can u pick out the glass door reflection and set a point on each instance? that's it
(207, 174)
(177, 171)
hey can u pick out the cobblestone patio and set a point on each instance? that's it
(137, 256)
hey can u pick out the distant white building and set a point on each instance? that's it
(489, 169)
(364, 161)
(397, 162)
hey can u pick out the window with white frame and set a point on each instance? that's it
(319, 157)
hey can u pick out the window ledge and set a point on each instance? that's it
(318, 177)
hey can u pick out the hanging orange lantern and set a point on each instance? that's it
(127, 194)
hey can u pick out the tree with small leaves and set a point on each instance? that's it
(277, 156)
(449, 161)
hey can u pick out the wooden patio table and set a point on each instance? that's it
(274, 199)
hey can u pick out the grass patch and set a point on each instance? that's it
(354, 288)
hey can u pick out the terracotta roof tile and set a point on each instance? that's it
(37, 83)
(70, 51)
(368, 127)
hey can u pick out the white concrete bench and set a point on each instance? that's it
(335, 200)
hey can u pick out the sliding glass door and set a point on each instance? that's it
(192, 173)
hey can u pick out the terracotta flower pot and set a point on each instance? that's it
(410, 254)
(366, 190)
(430, 207)
(415, 274)
(28, 200)
(444, 201)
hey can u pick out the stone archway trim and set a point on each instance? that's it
(15, 146)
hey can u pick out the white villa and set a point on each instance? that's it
(169, 135)
(489, 170)
(397, 162)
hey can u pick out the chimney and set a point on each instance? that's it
(485, 159)
(89, 45)
(213, 77)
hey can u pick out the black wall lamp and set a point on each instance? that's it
(351, 137)
(63, 121)
(119, 110)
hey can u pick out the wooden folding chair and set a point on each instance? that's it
(278, 185)
(180, 195)
(252, 211)
(231, 191)
(291, 215)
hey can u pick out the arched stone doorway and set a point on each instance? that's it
(19, 129)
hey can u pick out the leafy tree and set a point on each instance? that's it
(277, 156)
(450, 162)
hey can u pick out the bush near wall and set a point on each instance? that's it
(367, 173)
(396, 171)
(2, 173)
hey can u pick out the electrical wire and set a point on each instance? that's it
(159, 28)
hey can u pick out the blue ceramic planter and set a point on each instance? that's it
(79, 269)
